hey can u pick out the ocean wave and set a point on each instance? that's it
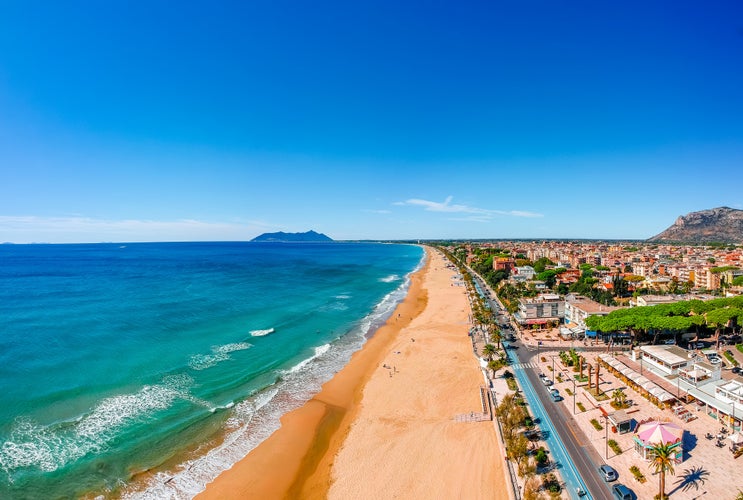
(253, 420)
(262, 333)
(319, 351)
(51, 447)
(342, 297)
(220, 353)
(390, 278)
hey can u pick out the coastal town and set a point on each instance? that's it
(613, 367)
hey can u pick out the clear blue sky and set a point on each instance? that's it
(141, 121)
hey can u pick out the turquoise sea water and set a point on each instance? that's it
(117, 359)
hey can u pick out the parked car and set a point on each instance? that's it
(609, 473)
(699, 345)
(546, 381)
(669, 342)
(621, 492)
(736, 369)
(555, 395)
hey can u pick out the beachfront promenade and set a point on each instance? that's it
(707, 470)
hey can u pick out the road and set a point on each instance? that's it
(581, 461)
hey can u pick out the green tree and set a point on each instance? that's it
(496, 364)
(489, 351)
(662, 461)
(620, 399)
(541, 264)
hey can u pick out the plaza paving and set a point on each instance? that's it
(706, 472)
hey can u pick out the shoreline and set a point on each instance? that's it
(296, 459)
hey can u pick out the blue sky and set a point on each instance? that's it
(151, 121)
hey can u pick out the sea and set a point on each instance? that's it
(143, 370)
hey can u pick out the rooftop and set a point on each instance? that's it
(670, 355)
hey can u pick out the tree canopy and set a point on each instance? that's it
(679, 316)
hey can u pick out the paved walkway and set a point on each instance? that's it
(706, 472)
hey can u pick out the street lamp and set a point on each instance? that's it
(606, 435)
(553, 369)
(573, 395)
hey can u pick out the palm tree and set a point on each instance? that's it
(488, 351)
(619, 398)
(663, 459)
(496, 364)
(495, 335)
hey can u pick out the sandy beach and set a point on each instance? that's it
(385, 425)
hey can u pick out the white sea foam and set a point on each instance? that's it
(262, 333)
(319, 351)
(255, 419)
(219, 353)
(50, 447)
(390, 278)
(343, 297)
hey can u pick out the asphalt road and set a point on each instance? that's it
(576, 444)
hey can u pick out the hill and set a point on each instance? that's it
(282, 237)
(721, 224)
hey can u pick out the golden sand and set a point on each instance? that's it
(384, 425)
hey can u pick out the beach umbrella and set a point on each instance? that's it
(736, 438)
(659, 432)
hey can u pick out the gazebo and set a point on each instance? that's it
(653, 432)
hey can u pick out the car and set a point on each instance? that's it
(621, 492)
(699, 345)
(554, 392)
(555, 395)
(669, 342)
(545, 380)
(736, 369)
(608, 472)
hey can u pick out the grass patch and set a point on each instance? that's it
(580, 406)
(512, 384)
(639, 476)
(730, 358)
(739, 347)
(559, 377)
(615, 447)
(597, 394)
(596, 425)
(578, 378)
(568, 391)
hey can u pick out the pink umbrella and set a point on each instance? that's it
(659, 432)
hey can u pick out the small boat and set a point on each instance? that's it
(262, 333)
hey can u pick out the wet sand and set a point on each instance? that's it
(374, 431)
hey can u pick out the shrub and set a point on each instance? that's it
(739, 347)
(730, 358)
(544, 360)
(639, 476)
(595, 423)
(568, 391)
(541, 456)
(615, 447)
(580, 406)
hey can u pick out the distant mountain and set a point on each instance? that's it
(723, 224)
(308, 237)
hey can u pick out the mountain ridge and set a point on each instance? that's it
(721, 224)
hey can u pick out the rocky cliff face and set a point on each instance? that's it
(721, 224)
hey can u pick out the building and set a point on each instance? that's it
(503, 264)
(540, 310)
(577, 309)
(523, 273)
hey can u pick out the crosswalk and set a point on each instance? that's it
(522, 366)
